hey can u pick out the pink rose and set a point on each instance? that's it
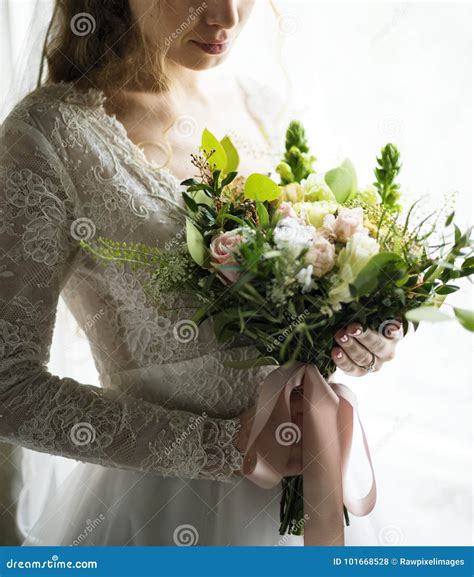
(321, 255)
(348, 222)
(286, 209)
(222, 249)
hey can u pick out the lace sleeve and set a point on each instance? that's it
(56, 415)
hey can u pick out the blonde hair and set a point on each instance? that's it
(97, 44)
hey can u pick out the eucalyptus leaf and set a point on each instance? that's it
(195, 241)
(201, 197)
(340, 181)
(232, 155)
(426, 313)
(209, 143)
(347, 165)
(261, 187)
(465, 318)
(382, 267)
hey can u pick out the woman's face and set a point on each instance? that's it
(197, 35)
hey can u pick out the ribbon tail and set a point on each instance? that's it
(322, 471)
(348, 407)
(328, 420)
(266, 456)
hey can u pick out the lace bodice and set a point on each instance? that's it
(167, 404)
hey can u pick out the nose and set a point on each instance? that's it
(222, 13)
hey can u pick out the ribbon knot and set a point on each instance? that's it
(328, 422)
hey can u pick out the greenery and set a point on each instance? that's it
(416, 266)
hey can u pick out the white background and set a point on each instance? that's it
(363, 74)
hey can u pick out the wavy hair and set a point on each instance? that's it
(97, 44)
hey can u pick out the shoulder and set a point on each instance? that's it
(51, 108)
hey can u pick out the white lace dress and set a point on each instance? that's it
(155, 445)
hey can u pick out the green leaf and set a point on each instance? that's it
(457, 233)
(347, 165)
(383, 267)
(189, 182)
(340, 182)
(235, 219)
(262, 213)
(426, 313)
(201, 197)
(232, 155)
(446, 289)
(229, 178)
(190, 202)
(465, 318)
(195, 241)
(449, 220)
(261, 187)
(209, 143)
(200, 314)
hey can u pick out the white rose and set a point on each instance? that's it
(293, 236)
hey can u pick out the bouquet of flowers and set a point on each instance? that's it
(289, 258)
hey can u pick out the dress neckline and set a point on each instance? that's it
(96, 98)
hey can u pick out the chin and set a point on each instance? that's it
(205, 63)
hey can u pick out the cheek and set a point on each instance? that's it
(245, 9)
(160, 20)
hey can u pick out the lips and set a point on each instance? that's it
(212, 47)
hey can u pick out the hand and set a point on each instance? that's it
(358, 348)
(295, 460)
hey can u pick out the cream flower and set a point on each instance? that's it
(321, 255)
(315, 189)
(359, 249)
(314, 212)
(292, 193)
(370, 195)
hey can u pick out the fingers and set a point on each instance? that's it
(353, 349)
(382, 343)
(358, 347)
(346, 364)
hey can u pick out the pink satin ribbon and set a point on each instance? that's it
(328, 418)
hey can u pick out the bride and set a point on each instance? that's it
(98, 149)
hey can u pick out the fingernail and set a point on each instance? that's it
(339, 354)
(356, 332)
(344, 338)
